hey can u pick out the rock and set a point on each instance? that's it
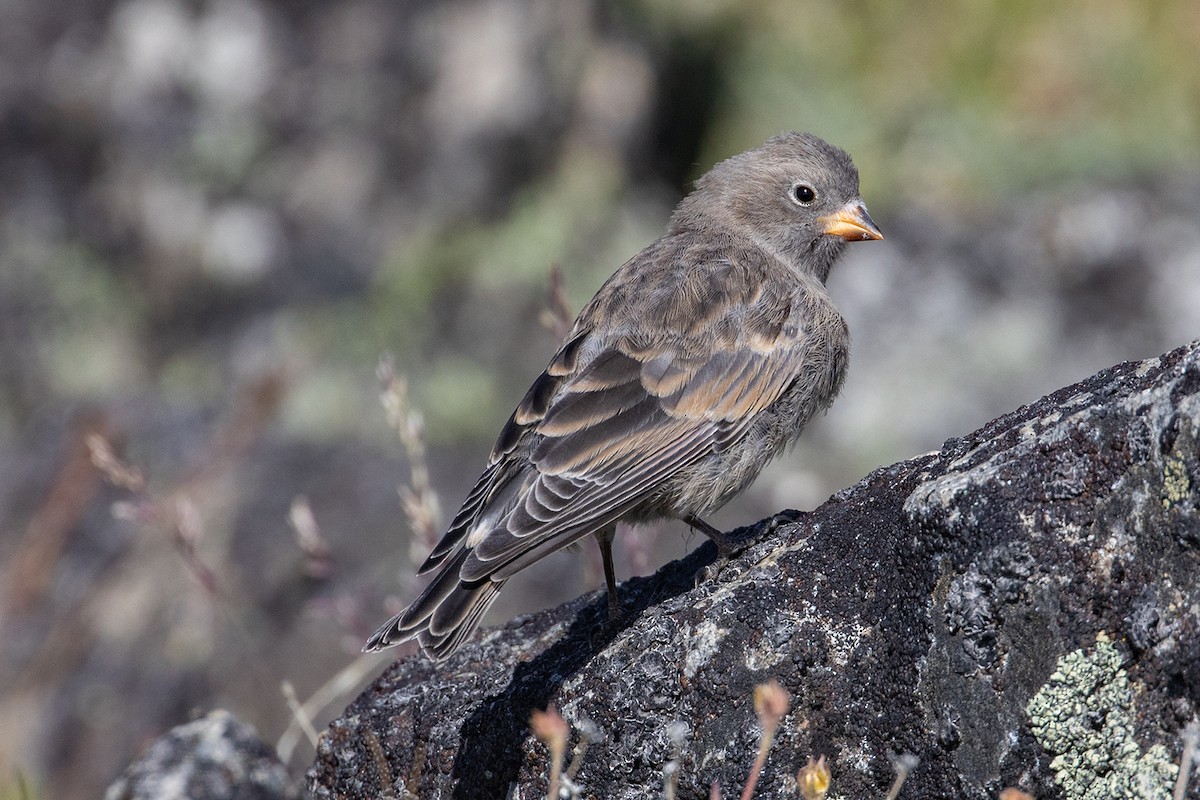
(1021, 608)
(213, 758)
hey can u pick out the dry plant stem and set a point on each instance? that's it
(552, 729)
(577, 757)
(763, 746)
(254, 404)
(1190, 735)
(298, 714)
(318, 558)
(420, 501)
(676, 732)
(175, 511)
(556, 755)
(189, 531)
(30, 569)
(904, 765)
(117, 472)
(557, 317)
(771, 704)
(346, 682)
(671, 770)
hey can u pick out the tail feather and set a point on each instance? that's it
(444, 616)
(467, 606)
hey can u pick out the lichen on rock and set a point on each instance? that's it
(1084, 715)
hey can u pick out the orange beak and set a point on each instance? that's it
(851, 223)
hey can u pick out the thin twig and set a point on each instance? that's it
(1190, 734)
(298, 714)
(420, 501)
(557, 317)
(188, 533)
(345, 682)
(588, 733)
(771, 702)
(318, 557)
(904, 764)
(677, 732)
(116, 471)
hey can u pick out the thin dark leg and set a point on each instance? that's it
(604, 538)
(727, 545)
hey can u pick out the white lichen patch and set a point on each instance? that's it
(715, 755)
(859, 758)
(1144, 368)
(1084, 716)
(701, 645)
(1110, 549)
(762, 653)
(843, 642)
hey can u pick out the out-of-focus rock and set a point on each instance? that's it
(216, 757)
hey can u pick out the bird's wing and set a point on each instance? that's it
(602, 436)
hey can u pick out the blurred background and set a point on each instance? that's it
(215, 217)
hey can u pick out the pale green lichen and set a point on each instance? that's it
(1083, 716)
(1176, 483)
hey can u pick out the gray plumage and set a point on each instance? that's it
(695, 364)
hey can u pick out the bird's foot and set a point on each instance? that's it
(616, 609)
(711, 572)
(617, 617)
(785, 517)
(733, 543)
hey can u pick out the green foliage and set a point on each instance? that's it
(961, 100)
(16, 786)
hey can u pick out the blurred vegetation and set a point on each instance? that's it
(949, 102)
(948, 108)
(945, 106)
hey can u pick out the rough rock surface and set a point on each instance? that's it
(1021, 608)
(216, 757)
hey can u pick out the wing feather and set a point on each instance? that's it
(615, 417)
(658, 413)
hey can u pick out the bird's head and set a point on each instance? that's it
(796, 195)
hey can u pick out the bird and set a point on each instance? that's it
(696, 363)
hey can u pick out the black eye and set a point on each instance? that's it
(803, 194)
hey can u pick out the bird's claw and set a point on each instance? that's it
(731, 545)
(616, 610)
(785, 517)
(711, 572)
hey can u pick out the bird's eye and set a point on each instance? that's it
(803, 194)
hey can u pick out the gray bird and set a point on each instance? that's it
(695, 364)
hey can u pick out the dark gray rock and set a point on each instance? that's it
(216, 757)
(1021, 608)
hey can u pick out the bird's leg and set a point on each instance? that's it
(735, 541)
(604, 538)
(727, 545)
(726, 548)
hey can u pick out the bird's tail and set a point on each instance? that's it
(443, 617)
